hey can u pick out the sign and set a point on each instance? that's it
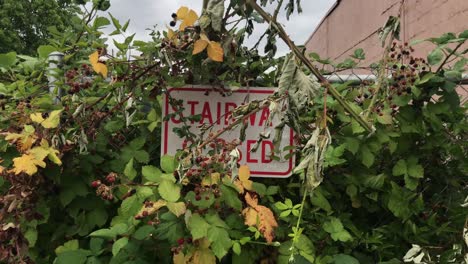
(216, 109)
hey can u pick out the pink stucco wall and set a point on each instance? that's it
(354, 24)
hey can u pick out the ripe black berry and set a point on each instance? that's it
(172, 23)
(174, 15)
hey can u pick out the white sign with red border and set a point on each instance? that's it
(215, 109)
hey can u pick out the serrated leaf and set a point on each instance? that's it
(215, 51)
(52, 121)
(177, 208)
(151, 173)
(198, 226)
(118, 245)
(168, 163)
(169, 191)
(129, 170)
(435, 57)
(399, 168)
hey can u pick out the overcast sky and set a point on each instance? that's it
(144, 14)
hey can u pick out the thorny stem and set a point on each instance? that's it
(299, 219)
(282, 33)
(383, 67)
(449, 55)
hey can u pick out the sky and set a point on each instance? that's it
(144, 14)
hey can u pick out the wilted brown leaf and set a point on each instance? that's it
(260, 216)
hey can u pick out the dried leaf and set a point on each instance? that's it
(25, 140)
(242, 182)
(215, 51)
(199, 46)
(261, 217)
(151, 209)
(98, 67)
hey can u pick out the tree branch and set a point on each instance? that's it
(282, 33)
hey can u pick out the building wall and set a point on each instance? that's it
(353, 24)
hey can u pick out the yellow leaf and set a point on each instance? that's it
(215, 51)
(25, 140)
(170, 33)
(244, 175)
(177, 208)
(182, 12)
(27, 163)
(98, 67)
(213, 179)
(179, 258)
(199, 46)
(188, 17)
(260, 216)
(50, 122)
(151, 208)
(45, 151)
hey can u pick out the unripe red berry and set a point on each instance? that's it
(198, 197)
(96, 183)
(144, 213)
(110, 178)
(180, 241)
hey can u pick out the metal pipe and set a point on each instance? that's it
(55, 61)
(358, 78)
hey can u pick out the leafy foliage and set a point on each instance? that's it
(82, 180)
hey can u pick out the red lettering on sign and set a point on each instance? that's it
(264, 153)
(249, 148)
(218, 113)
(264, 116)
(227, 110)
(176, 121)
(206, 113)
(192, 107)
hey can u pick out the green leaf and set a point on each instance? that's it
(344, 259)
(69, 245)
(45, 50)
(231, 197)
(31, 236)
(96, 245)
(435, 57)
(236, 247)
(151, 173)
(375, 182)
(367, 157)
(100, 22)
(104, 233)
(398, 202)
(177, 209)
(118, 245)
(72, 257)
(7, 59)
(198, 226)
(319, 200)
(415, 170)
(352, 144)
(130, 171)
(221, 243)
(143, 232)
(168, 163)
(335, 228)
(115, 22)
(144, 192)
(281, 206)
(169, 191)
(97, 217)
(385, 119)
(399, 168)
(464, 34)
